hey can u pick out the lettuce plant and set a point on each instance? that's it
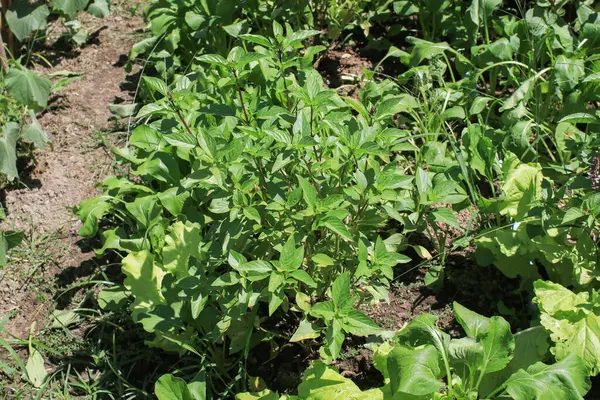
(426, 363)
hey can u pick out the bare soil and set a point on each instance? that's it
(68, 174)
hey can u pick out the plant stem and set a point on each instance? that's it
(312, 178)
(239, 90)
(172, 101)
(317, 156)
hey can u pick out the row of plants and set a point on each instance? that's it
(257, 198)
(25, 93)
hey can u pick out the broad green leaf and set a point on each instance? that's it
(213, 59)
(296, 37)
(25, 17)
(531, 346)
(291, 257)
(306, 330)
(567, 379)
(258, 39)
(28, 87)
(574, 328)
(69, 8)
(308, 192)
(568, 72)
(145, 210)
(169, 387)
(143, 280)
(522, 186)
(324, 309)
(422, 330)
(156, 84)
(197, 386)
(99, 8)
(113, 298)
(492, 333)
(91, 211)
(414, 371)
(394, 105)
(523, 93)
(358, 324)
(579, 118)
(323, 259)
(8, 150)
(554, 298)
(252, 214)
(337, 226)
(35, 370)
(425, 50)
(340, 290)
(303, 276)
(8, 240)
(466, 357)
(322, 382)
(479, 103)
(182, 243)
(445, 216)
(35, 134)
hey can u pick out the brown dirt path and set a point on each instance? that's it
(68, 174)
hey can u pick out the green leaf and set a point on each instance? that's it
(156, 84)
(291, 258)
(358, 324)
(35, 134)
(29, 88)
(395, 105)
(8, 240)
(340, 290)
(568, 72)
(24, 17)
(8, 150)
(258, 39)
(143, 280)
(324, 309)
(90, 211)
(414, 371)
(306, 330)
(69, 8)
(182, 242)
(296, 37)
(99, 8)
(567, 379)
(35, 370)
(255, 266)
(337, 226)
(466, 356)
(492, 333)
(522, 186)
(112, 298)
(425, 50)
(479, 103)
(322, 382)
(252, 214)
(197, 386)
(574, 328)
(213, 59)
(579, 118)
(422, 330)
(323, 259)
(169, 387)
(303, 276)
(309, 193)
(445, 216)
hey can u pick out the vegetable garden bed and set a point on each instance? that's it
(361, 199)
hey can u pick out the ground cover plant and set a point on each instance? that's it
(259, 206)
